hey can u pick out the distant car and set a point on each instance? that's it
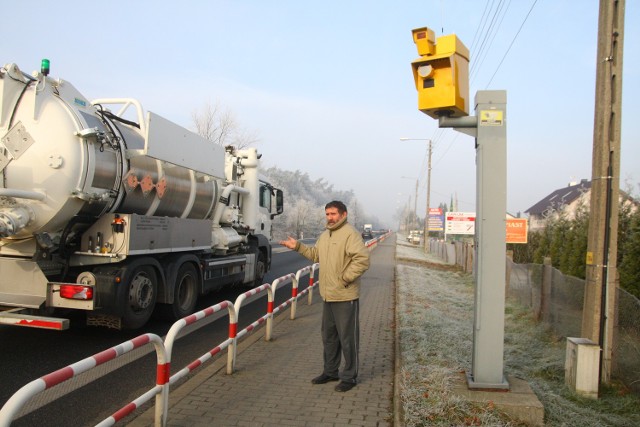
(414, 237)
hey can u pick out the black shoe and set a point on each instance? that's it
(344, 386)
(323, 379)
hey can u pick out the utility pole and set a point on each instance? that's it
(415, 206)
(426, 216)
(600, 304)
(408, 223)
(425, 230)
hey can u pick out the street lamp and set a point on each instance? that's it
(426, 217)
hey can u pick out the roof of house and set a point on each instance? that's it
(560, 197)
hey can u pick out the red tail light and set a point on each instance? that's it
(76, 292)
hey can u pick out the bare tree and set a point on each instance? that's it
(212, 123)
(300, 216)
(218, 125)
(354, 215)
(243, 138)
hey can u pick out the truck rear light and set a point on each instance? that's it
(80, 292)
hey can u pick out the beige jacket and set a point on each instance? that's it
(343, 258)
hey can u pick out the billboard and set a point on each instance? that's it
(436, 219)
(460, 223)
(517, 230)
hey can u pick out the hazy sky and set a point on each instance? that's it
(328, 89)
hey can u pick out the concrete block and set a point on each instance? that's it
(519, 402)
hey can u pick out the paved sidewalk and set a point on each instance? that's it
(272, 382)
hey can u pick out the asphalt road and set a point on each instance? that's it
(28, 354)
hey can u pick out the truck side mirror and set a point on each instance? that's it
(279, 203)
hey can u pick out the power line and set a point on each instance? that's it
(479, 60)
(512, 42)
(484, 46)
(478, 31)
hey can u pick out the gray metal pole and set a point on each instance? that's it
(490, 235)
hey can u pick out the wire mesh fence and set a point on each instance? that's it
(557, 300)
(627, 340)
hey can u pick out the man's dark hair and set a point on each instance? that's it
(338, 205)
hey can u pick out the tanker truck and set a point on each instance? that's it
(116, 212)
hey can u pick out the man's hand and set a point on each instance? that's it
(289, 243)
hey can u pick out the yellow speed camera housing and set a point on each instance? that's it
(441, 74)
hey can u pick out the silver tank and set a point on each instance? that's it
(62, 156)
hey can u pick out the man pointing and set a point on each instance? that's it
(343, 258)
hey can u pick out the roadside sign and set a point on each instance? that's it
(436, 219)
(460, 223)
(517, 230)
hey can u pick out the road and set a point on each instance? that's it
(28, 354)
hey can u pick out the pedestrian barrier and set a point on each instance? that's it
(238, 304)
(175, 329)
(372, 243)
(12, 407)
(311, 269)
(164, 349)
(162, 404)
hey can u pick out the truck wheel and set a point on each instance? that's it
(261, 269)
(185, 294)
(141, 297)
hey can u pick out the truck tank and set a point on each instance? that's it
(63, 157)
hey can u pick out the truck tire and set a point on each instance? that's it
(141, 297)
(261, 269)
(185, 294)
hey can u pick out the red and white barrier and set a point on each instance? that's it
(27, 392)
(310, 269)
(175, 329)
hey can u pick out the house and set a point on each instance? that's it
(564, 201)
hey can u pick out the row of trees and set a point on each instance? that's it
(565, 242)
(304, 204)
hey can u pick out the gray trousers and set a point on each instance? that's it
(341, 336)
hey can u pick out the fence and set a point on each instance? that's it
(557, 300)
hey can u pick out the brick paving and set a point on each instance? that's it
(271, 385)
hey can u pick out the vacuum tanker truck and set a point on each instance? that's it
(116, 212)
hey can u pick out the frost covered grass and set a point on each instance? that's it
(435, 320)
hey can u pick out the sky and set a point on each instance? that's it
(327, 86)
